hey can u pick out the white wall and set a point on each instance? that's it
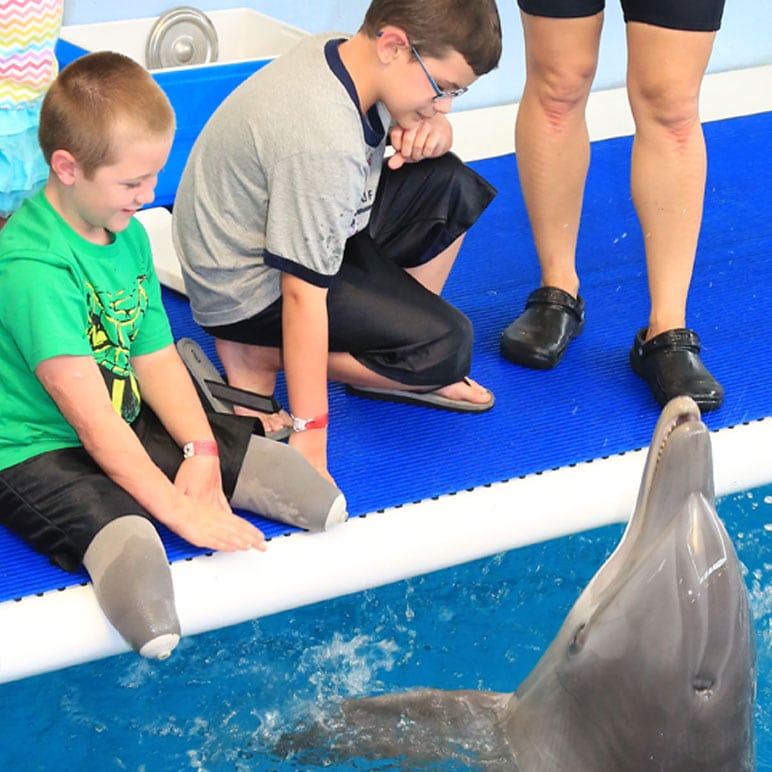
(745, 39)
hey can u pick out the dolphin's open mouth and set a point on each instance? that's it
(679, 411)
(675, 468)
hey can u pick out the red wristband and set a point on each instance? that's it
(304, 424)
(203, 448)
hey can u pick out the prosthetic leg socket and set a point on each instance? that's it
(278, 482)
(132, 580)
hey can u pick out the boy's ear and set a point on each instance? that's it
(389, 42)
(64, 165)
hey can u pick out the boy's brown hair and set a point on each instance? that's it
(437, 27)
(91, 99)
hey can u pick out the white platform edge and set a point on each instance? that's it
(63, 628)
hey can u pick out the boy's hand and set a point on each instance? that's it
(199, 477)
(207, 519)
(430, 139)
(209, 526)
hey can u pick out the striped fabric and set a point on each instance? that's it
(28, 33)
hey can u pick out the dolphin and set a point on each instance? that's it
(652, 669)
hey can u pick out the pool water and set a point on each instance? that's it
(224, 698)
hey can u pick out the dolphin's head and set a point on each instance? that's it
(654, 667)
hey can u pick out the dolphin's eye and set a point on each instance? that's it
(577, 640)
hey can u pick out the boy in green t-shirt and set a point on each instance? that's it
(101, 428)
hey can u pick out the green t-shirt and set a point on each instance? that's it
(63, 295)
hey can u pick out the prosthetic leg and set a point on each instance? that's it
(130, 573)
(278, 482)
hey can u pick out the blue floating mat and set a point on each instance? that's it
(384, 455)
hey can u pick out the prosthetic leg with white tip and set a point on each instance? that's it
(278, 482)
(132, 580)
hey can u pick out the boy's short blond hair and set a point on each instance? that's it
(92, 99)
(438, 27)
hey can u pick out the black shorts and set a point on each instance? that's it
(58, 501)
(376, 311)
(687, 15)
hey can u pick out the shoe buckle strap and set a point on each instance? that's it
(673, 340)
(552, 296)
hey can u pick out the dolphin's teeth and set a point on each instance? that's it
(679, 420)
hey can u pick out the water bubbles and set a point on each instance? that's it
(346, 666)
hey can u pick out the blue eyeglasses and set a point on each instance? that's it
(440, 94)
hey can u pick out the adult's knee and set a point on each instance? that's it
(561, 61)
(666, 109)
(130, 573)
(561, 95)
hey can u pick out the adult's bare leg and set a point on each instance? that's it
(551, 139)
(668, 174)
(553, 155)
(669, 162)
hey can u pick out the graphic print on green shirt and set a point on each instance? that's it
(114, 320)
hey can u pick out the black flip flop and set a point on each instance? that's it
(217, 395)
(424, 398)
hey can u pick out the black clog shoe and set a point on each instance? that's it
(539, 337)
(671, 366)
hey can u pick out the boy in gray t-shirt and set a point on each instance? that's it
(301, 249)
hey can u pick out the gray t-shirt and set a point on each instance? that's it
(283, 173)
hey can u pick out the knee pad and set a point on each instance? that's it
(130, 572)
(277, 481)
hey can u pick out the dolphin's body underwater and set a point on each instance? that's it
(653, 668)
